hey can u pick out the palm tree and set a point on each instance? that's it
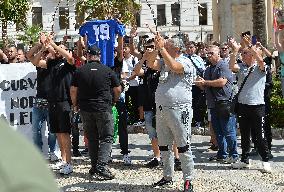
(259, 20)
(12, 11)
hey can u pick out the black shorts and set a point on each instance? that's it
(59, 117)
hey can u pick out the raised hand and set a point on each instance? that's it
(159, 41)
(247, 40)
(133, 32)
(234, 45)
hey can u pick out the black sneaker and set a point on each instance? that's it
(103, 172)
(187, 186)
(153, 163)
(253, 152)
(269, 155)
(213, 147)
(163, 182)
(77, 153)
(177, 165)
(85, 151)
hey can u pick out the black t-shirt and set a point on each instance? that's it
(3, 62)
(60, 74)
(117, 68)
(151, 81)
(95, 82)
(42, 83)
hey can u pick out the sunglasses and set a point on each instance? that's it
(224, 48)
(210, 53)
(150, 46)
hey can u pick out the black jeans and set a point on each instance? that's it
(75, 136)
(122, 127)
(198, 105)
(267, 126)
(99, 130)
(252, 120)
(131, 101)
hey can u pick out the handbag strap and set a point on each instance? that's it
(244, 81)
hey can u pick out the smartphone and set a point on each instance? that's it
(246, 33)
(253, 39)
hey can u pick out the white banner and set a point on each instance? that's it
(18, 90)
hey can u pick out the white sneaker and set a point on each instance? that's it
(126, 160)
(66, 169)
(53, 157)
(266, 167)
(241, 165)
(58, 165)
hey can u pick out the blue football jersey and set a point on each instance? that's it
(103, 34)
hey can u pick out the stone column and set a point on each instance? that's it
(215, 18)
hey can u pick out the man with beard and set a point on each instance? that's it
(60, 71)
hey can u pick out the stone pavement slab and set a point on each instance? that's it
(209, 176)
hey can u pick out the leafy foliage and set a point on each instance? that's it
(124, 10)
(31, 34)
(277, 105)
(13, 11)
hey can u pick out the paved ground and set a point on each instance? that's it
(215, 177)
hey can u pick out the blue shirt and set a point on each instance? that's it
(213, 72)
(102, 33)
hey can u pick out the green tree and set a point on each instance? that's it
(259, 20)
(125, 10)
(12, 11)
(31, 34)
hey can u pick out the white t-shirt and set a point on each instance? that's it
(128, 66)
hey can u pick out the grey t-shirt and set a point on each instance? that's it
(175, 89)
(213, 72)
(253, 90)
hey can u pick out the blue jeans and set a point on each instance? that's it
(40, 114)
(225, 131)
(149, 118)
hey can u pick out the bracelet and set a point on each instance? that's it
(161, 49)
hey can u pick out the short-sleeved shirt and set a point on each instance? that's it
(253, 90)
(103, 34)
(213, 72)
(151, 81)
(60, 74)
(128, 66)
(95, 82)
(175, 89)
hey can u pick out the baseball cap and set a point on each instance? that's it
(94, 50)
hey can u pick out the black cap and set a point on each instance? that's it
(94, 50)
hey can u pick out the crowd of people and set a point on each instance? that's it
(166, 84)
